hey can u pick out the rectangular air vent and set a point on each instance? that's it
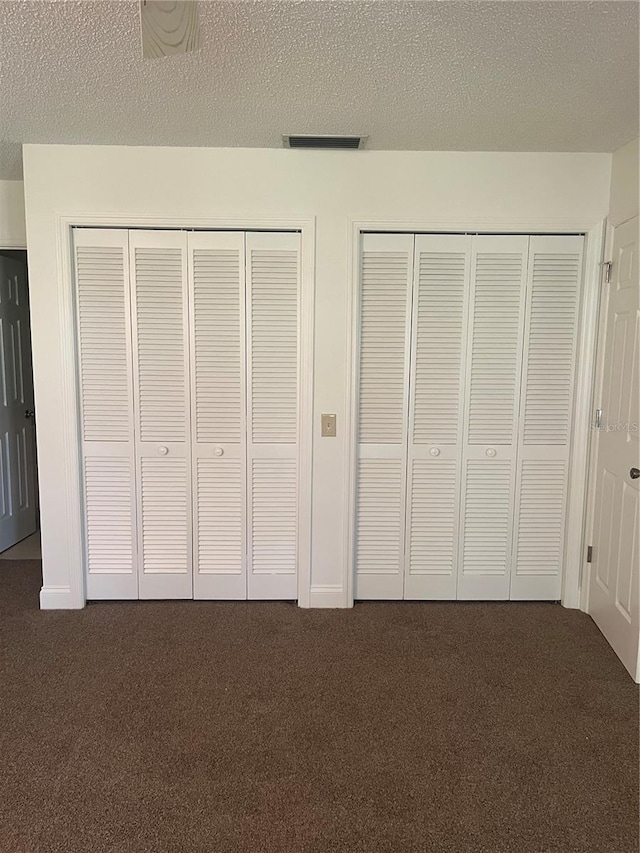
(332, 142)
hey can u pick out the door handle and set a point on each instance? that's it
(29, 414)
(634, 473)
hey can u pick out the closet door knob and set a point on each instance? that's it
(162, 450)
(634, 473)
(491, 452)
(435, 451)
(218, 451)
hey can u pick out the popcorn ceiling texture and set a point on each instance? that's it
(510, 76)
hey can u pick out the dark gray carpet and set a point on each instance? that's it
(261, 727)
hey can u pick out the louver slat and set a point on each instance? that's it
(164, 516)
(384, 294)
(219, 499)
(104, 357)
(109, 516)
(550, 360)
(274, 516)
(379, 525)
(438, 349)
(487, 518)
(433, 523)
(217, 344)
(274, 346)
(160, 339)
(540, 523)
(495, 348)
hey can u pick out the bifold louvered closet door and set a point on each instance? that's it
(467, 359)
(188, 376)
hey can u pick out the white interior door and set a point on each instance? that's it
(273, 292)
(613, 586)
(386, 276)
(18, 501)
(160, 313)
(440, 306)
(494, 362)
(218, 413)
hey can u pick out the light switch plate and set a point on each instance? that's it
(328, 426)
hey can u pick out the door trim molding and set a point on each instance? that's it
(585, 372)
(74, 596)
(603, 298)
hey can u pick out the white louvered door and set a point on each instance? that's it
(546, 405)
(465, 449)
(272, 294)
(106, 420)
(218, 413)
(160, 312)
(494, 363)
(440, 306)
(385, 335)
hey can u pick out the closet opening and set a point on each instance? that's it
(466, 364)
(188, 350)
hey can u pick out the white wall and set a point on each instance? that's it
(624, 202)
(13, 231)
(489, 190)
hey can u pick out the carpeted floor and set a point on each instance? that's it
(262, 727)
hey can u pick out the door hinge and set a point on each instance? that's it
(598, 420)
(608, 266)
(589, 553)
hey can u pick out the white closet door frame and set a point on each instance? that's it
(161, 582)
(575, 547)
(63, 545)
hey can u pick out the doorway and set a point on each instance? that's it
(19, 515)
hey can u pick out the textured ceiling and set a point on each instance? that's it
(515, 76)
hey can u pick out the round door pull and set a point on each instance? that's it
(634, 473)
(491, 451)
(435, 451)
(218, 451)
(162, 450)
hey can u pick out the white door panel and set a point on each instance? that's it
(272, 294)
(384, 363)
(546, 415)
(160, 320)
(218, 413)
(494, 365)
(101, 259)
(18, 499)
(441, 278)
(613, 587)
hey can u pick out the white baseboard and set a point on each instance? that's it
(327, 596)
(57, 598)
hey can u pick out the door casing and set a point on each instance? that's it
(71, 490)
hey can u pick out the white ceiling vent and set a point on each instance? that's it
(310, 140)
